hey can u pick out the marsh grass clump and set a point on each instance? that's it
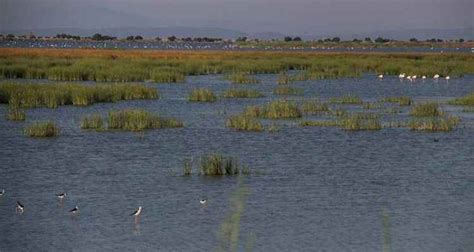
(201, 95)
(430, 109)
(42, 129)
(138, 120)
(360, 122)
(318, 123)
(283, 78)
(280, 109)
(287, 91)
(372, 105)
(314, 107)
(94, 121)
(167, 75)
(447, 123)
(242, 78)
(242, 93)
(52, 95)
(467, 100)
(219, 165)
(347, 99)
(244, 123)
(338, 112)
(187, 167)
(15, 114)
(401, 100)
(468, 109)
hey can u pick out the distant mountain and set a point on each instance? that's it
(421, 34)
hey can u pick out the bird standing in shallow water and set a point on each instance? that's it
(2, 192)
(61, 196)
(203, 202)
(74, 210)
(137, 212)
(19, 207)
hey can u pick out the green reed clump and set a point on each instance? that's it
(319, 123)
(93, 121)
(401, 100)
(187, 167)
(447, 123)
(429, 109)
(167, 75)
(201, 95)
(242, 78)
(242, 93)
(287, 91)
(360, 122)
(280, 109)
(219, 165)
(467, 100)
(314, 107)
(58, 94)
(372, 105)
(338, 112)
(244, 123)
(347, 99)
(138, 120)
(42, 129)
(15, 114)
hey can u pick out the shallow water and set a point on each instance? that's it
(315, 189)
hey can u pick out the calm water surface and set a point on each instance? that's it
(316, 189)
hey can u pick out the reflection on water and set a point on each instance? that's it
(318, 189)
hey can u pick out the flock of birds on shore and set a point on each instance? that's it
(20, 208)
(412, 78)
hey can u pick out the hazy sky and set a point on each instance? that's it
(285, 16)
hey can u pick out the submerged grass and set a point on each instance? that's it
(244, 123)
(57, 94)
(401, 100)
(429, 109)
(42, 129)
(201, 95)
(467, 100)
(287, 91)
(347, 99)
(242, 93)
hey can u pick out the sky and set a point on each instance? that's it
(298, 17)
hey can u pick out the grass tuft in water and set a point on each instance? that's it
(42, 129)
(15, 114)
(201, 95)
(314, 107)
(283, 78)
(94, 121)
(360, 122)
(242, 78)
(318, 123)
(138, 120)
(219, 165)
(242, 93)
(447, 123)
(187, 167)
(430, 109)
(280, 109)
(244, 123)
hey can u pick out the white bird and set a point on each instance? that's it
(137, 212)
(61, 196)
(436, 76)
(423, 77)
(74, 210)
(401, 76)
(19, 207)
(447, 78)
(2, 192)
(409, 78)
(203, 201)
(380, 76)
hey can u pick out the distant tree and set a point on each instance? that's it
(172, 38)
(356, 40)
(241, 39)
(381, 40)
(188, 39)
(439, 40)
(10, 37)
(368, 39)
(413, 40)
(320, 41)
(138, 37)
(97, 36)
(158, 39)
(288, 39)
(461, 40)
(336, 39)
(130, 38)
(296, 39)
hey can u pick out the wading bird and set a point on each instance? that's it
(203, 201)
(19, 207)
(2, 192)
(74, 210)
(137, 212)
(380, 76)
(61, 196)
(436, 76)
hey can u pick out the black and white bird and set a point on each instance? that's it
(19, 207)
(203, 201)
(2, 192)
(61, 196)
(137, 212)
(74, 210)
